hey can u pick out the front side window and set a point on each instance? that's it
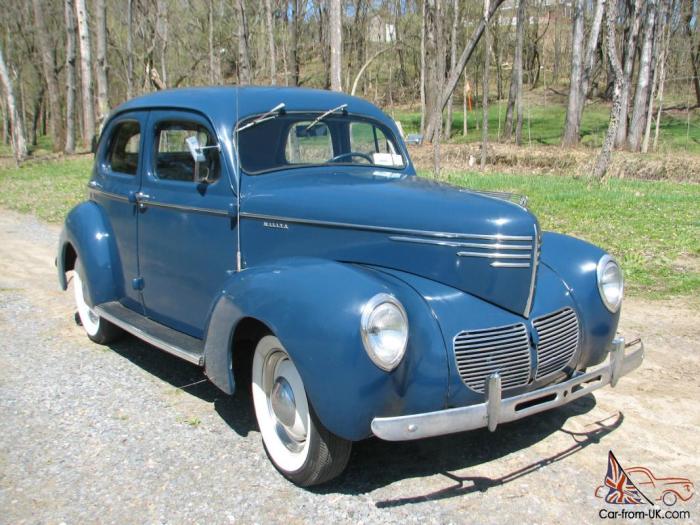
(173, 160)
(288, 140)
(123, 155)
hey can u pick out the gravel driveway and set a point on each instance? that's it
(130, 435)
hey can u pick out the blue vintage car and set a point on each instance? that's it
(280, 238)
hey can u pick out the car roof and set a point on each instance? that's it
(220, 103)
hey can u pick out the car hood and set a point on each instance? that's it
(476, 243)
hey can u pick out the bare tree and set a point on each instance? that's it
(485, 102)
(271, 42)
(422, 69)
(581, 73)
(86, 73)
(50, 75)
(453, 63)
(570, 136)
(631, 51)
(69, 13)
(129, 48)
(101, 59)
(603, 160)
(435, 119)
(515, 93)
(244, 74)
(641, 94)
(336, 41)
(19, 141)
(294, 41)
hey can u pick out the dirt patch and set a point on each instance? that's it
(509, 158)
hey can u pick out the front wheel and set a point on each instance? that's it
(97, 329)
(296, 442)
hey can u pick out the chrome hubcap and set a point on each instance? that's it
(283, 402)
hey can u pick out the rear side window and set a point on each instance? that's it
(173, 158)
(124, 148)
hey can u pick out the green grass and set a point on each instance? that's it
(45, 189)
(653, 228)
(546, 124)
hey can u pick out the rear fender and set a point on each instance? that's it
(86, 234)
(314, 307)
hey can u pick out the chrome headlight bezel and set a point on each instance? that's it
(368, 310)
(603, 264)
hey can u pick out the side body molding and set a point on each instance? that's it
(88, 232)
(314, 307)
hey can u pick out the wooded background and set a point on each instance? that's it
(65, 63)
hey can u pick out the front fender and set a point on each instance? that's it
(575, 262)
(87, 232)
(314, 307)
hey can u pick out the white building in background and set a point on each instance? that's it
(380, 31)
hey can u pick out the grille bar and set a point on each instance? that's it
(505, 349)
(559, 337)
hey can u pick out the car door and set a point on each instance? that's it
(187, 230)
(114, 185)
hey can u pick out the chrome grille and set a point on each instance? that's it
(558, 334)
(505, 350)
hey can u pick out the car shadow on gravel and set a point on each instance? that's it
(234, 410)
(375, 463)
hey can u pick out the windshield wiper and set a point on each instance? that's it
(273, 113)
(324, 115)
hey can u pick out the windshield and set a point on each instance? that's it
(302, 139)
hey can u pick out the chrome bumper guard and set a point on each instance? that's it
(496, 410)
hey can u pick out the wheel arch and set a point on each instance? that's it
(87, 235)
(314, 307)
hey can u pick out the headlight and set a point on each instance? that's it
(610, 283)
(384, 328)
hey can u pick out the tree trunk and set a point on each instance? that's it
(101, 60)
(453, 80)
(631, 52)
(50, 75)
(574, 121)
(294, 42)
(162, 33)
(422, 68)
(212, 57)
(641, 95)
(453, 63)
(515, 93)
(603, 160)
(570, 136)
(244, 76)
(336, 41)
(485, 102)
(129, 49)
(432, 61)
(86, 73)
(69, 13)
(271, 42)
(19, 141)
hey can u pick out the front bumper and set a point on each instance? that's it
(496, 410)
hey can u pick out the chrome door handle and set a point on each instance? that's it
(141, 198)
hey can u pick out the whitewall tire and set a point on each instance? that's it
(296, 442)
(97, 329)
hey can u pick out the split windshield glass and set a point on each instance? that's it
(302, 139)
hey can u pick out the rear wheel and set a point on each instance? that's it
(296, 442)
(97, 329)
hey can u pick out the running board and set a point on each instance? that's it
(181, 345)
